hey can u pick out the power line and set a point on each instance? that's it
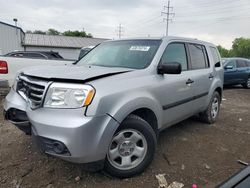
(167, 12)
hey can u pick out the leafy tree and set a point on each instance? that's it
(241, 47)
(223, 51)
(39, 32)
(76, 34)
(52, 32)
(28, 31)
(89, 35)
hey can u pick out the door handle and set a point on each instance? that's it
(211, 76)
(189, 81)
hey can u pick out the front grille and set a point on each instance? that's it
(32, 90)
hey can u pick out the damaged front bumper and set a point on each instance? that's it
(19, 118)
(65, 133)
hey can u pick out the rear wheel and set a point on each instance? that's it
(131, 149)
(247, 84)
(211, 113)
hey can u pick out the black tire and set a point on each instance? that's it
(140, 125)
(247, 84)
(207, 116)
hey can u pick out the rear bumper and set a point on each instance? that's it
(85, 138)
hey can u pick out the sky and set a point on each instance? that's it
(216, 21)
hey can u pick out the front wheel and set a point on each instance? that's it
(210, 115)
(131, 149)
(247, 84)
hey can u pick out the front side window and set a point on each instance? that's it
(231, 63)
(175, 52)
(198, 56)
(134, 54)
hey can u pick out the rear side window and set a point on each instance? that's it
(240, 63)
(198, 56)
(215, 55)
(175, 52)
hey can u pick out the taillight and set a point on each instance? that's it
(3, 67)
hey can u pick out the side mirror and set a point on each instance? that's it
(229, 67)
(169, 68)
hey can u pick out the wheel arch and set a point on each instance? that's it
(147, 109)
(219, 90)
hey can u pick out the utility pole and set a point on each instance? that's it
(15, 20)
(169, 14)
(119, 30)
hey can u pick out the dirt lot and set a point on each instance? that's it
(190, 152)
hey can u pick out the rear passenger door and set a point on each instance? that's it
(202, 74)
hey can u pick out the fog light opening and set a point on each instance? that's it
(58, 147)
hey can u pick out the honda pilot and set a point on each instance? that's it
(109, 107)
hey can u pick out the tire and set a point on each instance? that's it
(211, 114)
(134, 133)
(247, 84)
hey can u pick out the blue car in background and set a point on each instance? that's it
(236, 71)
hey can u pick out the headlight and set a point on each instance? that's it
(61, 95)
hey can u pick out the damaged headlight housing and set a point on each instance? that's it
(62, 95)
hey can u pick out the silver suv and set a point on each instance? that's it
(108, 107)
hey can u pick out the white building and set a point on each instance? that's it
(13, 38)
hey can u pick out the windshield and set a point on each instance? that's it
(134, 54)
(224, 61)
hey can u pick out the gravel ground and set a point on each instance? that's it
(190, 152)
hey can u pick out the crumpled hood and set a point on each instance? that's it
(72, 72)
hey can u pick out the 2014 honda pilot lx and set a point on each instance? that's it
(109, 106)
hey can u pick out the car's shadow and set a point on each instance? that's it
(233, 87)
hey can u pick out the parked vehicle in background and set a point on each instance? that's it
(237, 71)
(117, 99)
(35, 54)
(9, 66)
(84, 51)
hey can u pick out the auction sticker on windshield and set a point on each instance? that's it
(139, 48)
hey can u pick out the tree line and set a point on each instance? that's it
(240, 48)
(51, 31)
